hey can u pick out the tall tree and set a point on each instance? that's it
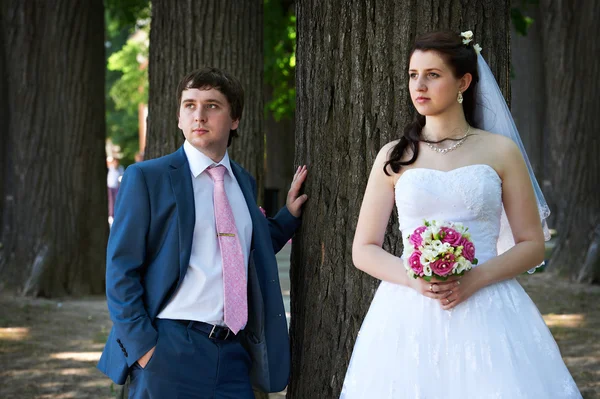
(3, 122)
(572, 80)
(54, 223)
(352, 98)
(225, 34)
(528, 109)
(280, 95)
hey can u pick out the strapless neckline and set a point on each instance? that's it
(451, 171)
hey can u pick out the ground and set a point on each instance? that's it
(49, 348)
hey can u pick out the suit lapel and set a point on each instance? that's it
(246, 187)
(181, 181)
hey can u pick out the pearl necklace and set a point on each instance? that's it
(452, 147)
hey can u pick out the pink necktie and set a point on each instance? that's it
(234, 273)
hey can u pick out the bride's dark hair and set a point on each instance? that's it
(462, 59)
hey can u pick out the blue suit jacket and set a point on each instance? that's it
(148, 255)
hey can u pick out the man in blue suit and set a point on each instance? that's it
(177, 332)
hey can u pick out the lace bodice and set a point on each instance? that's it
(471, 195)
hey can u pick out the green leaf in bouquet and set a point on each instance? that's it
(475, 261)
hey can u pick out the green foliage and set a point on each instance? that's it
(132, 87)
(280, 58)
(520, 21)
(125, 14)
(124, 76)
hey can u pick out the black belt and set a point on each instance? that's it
(213, 331)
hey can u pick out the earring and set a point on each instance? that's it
(459, 98)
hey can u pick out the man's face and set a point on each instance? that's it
(205, 119)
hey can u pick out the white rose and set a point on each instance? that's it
(437, 246)
(463, 265)
(427, 257)
(427, 236)
(467, 35)
(455, 268)
(427, 270)
(459, 227)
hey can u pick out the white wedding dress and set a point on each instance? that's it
(494, 345)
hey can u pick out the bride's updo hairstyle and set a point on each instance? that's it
(462, 59)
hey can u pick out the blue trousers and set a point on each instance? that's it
(188, 364)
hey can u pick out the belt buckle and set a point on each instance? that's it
(212, 331)
(210, 336)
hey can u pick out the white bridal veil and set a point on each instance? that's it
(492, 114)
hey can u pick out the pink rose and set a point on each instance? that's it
(442, 267)
(415, 238)
(468, 250)
(451, 236)
(415, 262)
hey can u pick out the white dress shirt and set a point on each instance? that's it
(200, 296)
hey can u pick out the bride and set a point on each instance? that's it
(479, 335)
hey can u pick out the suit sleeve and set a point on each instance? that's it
(126, 259)
(282, 226)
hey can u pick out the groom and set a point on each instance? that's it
(191, 282)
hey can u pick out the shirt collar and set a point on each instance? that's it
(199, 162)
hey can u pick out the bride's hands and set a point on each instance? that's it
(435, 289)
(470, 283)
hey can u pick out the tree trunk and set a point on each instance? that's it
(572, 81)
(528, 109)
(3, 123)
(279, 163)
(352, 98)
(186, 35)
(55, 207)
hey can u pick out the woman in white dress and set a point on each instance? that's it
(479, 335)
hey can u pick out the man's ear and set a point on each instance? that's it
(235, 124)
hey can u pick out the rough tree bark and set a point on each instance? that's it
(570, 32)
(529, 91)
(3, 122)
(54, 223)
(352, 98)
(279, 162)
(186, 35)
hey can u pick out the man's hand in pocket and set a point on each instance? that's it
(143, 361)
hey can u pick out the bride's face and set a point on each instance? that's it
(432, 84)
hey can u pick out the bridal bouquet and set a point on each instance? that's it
(438, 249)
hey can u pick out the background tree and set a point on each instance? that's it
(280, 100)
(54, 223)
(127, 27)
(352, 98)
(570, 32)
(528, 102)
(224, 34)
